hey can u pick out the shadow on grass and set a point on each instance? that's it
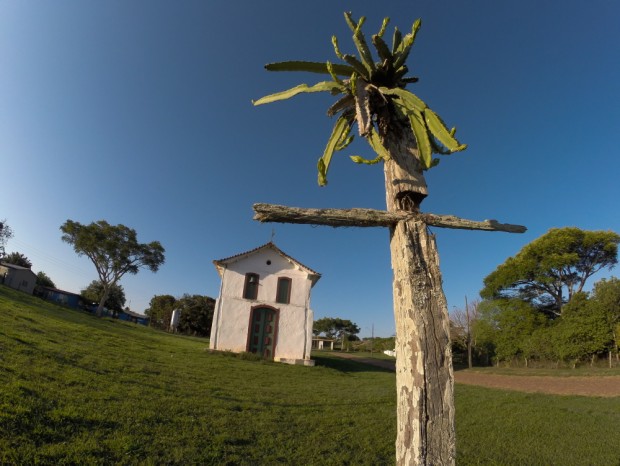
(347, 365)
(36, 420)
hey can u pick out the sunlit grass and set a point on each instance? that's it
(76, 389)
(512, 428)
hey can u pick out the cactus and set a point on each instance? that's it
(362, 82)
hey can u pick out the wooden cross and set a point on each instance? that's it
(424, 374)
(371, 218)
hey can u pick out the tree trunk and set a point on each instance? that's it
(424, 378)
(104, 298)
(469, 342)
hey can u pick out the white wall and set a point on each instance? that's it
(268, 278)
(232, 312)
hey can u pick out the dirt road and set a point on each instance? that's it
(584, 386)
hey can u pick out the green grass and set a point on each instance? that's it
(584, 371)
(75, 389)
(510, 428)
(374, 355)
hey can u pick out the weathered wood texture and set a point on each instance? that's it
(403, 172)
(424, 378)
(357, 217)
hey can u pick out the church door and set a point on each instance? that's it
(263, 326)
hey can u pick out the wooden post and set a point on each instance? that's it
(424, 378)
(424, 375)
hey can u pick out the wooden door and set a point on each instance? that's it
(263, 324)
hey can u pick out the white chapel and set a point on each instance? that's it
(264, 305)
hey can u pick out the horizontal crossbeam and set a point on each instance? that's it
(356, 217)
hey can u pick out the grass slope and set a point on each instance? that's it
(77, 389)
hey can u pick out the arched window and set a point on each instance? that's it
(250, 289)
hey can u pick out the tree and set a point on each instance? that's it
(17, 258)
(324, 326)
(513, 322)
(606, 298)
(44, 280)
(551, 269)
(464, 320)
(196, 314)
(404, 133)
(485, 330)
(582, 331)
(160, 311)
(6, 233)
(115, 300)
(335, 327)
(113, 249)
(378, 344)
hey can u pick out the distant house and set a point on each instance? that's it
(17, 277)
(64, 298)
(264, 305)
(133, 317)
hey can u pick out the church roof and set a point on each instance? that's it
(221, 264)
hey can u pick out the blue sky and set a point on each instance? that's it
(140, 113)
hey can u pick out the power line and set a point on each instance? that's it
(46, 257)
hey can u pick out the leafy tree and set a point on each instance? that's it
(551, 269)
(115, 300)
(160, 311)
(334, 327)
(514, 321)
(541, 344)
(17, 258)
(196, 314)
(582, 332)
(606, 298)
(113, 249)
(324, 326)
(404, 133)
(6, 233)
(44, 280)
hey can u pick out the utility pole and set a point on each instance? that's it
(372, 338)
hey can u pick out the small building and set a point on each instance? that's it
(17, 277)
(134, 317)
(320, 343)
(64, 298)
(264, 305)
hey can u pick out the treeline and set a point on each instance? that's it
(376, 344)
(196, 313)
(535, 307)
(514, 332)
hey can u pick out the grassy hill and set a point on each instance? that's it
(77, 389)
